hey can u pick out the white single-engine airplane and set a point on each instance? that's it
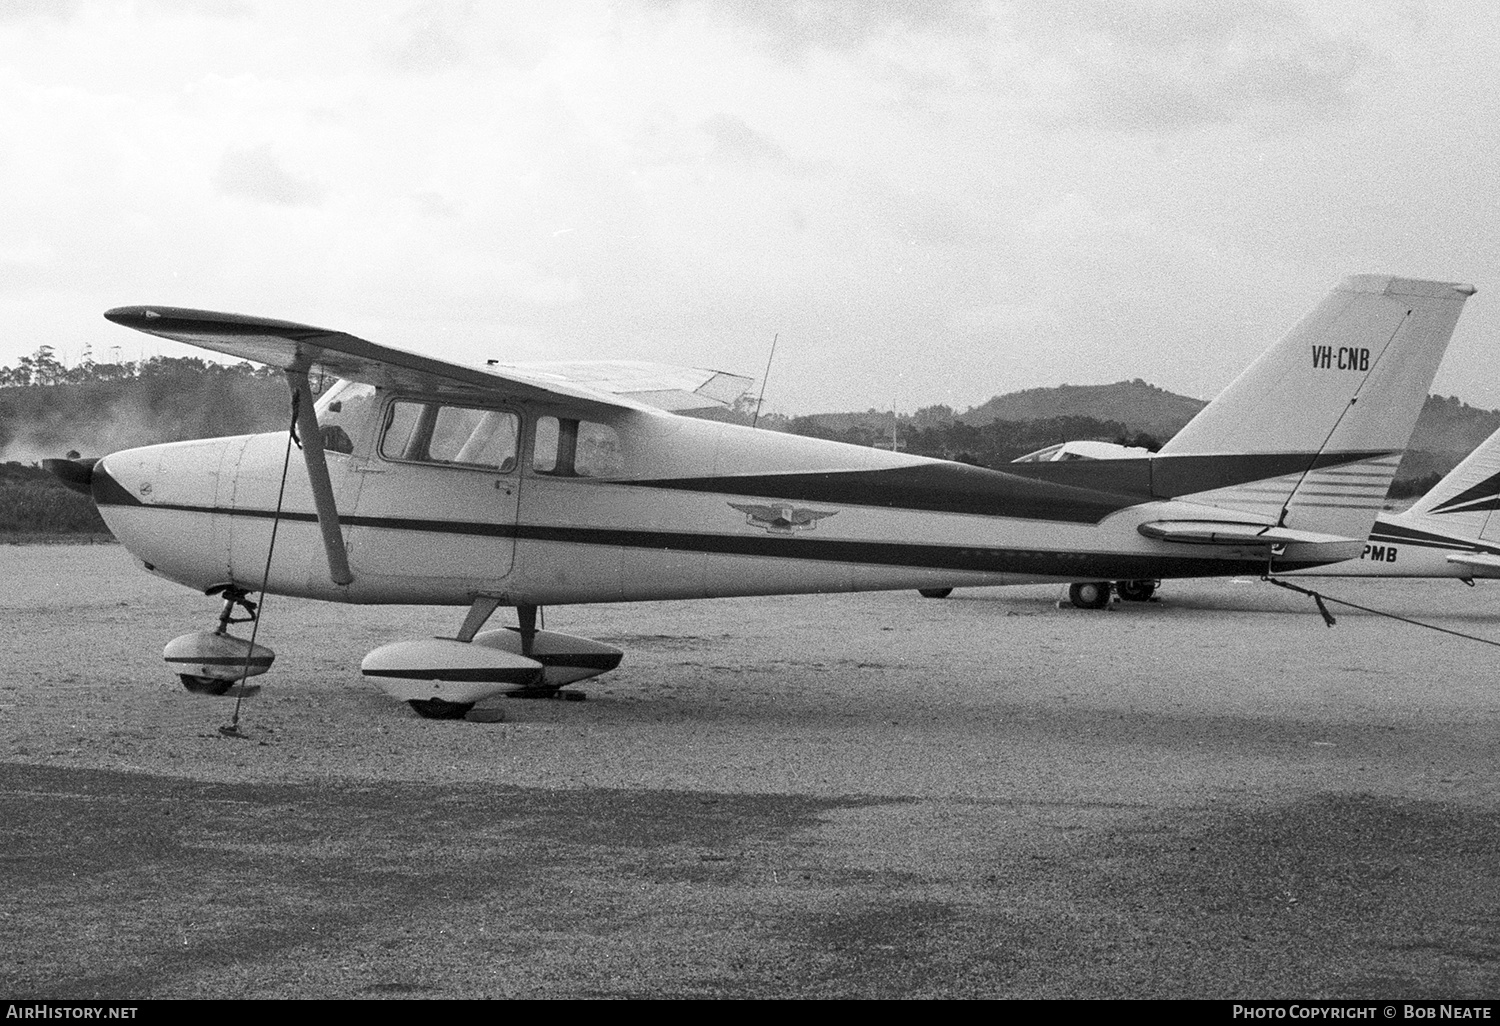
(426, 482)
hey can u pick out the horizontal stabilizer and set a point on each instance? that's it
(1221, 532)
(1481, 563)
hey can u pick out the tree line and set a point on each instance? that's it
(42, 368)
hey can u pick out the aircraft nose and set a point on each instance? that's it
(158, 501)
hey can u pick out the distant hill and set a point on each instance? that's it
(1447, 431)
(1450, 425)
(1139, 406)
(1135, 404)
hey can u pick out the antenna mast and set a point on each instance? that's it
(764, 378)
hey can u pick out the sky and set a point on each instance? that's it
(922, 202)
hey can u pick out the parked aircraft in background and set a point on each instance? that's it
(426, 482)
(1452, 531)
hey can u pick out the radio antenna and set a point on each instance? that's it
(764, 378)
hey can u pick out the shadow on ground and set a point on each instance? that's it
(136, 886)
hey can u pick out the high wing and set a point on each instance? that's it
(302, 348)
(658, 385)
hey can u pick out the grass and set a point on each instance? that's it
(33, 508)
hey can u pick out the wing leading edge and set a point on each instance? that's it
(303, 348)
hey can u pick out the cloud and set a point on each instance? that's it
(430, 38)
(996, 317)
(21, 10)
(1160, 66)
(792, 28)
(736, 142)
(255, 174)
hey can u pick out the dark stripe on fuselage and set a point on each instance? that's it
(1390, 533)
(1079, 492)
(1071, 491)
(1485, 504)
(1485, 493)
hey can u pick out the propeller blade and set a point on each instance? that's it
(76, 474)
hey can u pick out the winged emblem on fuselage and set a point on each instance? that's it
(782, 518)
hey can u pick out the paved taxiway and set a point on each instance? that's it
(873, 795)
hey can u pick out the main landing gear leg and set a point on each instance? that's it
(526, 619)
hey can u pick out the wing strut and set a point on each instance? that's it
(317, 474)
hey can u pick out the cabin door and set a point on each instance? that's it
(438, 498)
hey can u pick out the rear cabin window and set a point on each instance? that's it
(460, 436)
(576, 448)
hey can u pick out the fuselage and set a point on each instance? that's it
(441, 502)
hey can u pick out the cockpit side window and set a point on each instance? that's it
(461, 436)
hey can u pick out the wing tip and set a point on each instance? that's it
(129, 315)
(154, 319)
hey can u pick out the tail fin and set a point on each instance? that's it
(1464, 503)
(1329, 409)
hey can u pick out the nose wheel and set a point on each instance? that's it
(205, 685)
(438, 709)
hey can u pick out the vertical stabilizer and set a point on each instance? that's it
(1334, 402)
(1464, 502)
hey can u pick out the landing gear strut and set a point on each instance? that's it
(233, 597)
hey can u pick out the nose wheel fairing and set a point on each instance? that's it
(211, 662)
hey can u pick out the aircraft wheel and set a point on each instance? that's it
(1136, 591)
(205, 685)
(437, 709)
(1089, 594)
(934, 592)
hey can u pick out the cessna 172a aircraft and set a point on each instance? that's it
(426, 482)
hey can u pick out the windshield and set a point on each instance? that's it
(344, 413)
